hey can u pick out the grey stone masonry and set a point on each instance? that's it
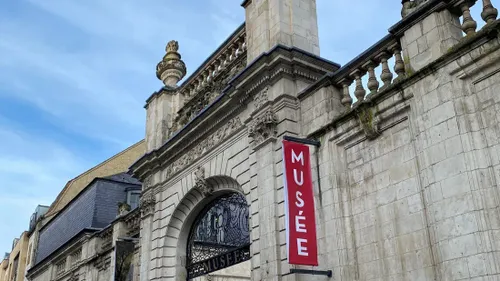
(406, 177)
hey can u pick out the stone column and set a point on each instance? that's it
(292, 23)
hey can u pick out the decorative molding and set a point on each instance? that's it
(206, 95)
(147, 204)
(200, 182)
(278, 63)
(261, 97)
(206, 145)
(263, 128)
(133, 222)
(106, 237)
(147, 182)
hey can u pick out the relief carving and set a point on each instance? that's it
(206, 95)
(263, 128)
(206, 145)
(200, 182)
(147, 204)
(261, 98)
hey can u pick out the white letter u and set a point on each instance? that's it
(301, 177)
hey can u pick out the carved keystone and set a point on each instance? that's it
(200, 182)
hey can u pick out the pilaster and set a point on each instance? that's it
(290, 23)
(425, 38)
(147, 206)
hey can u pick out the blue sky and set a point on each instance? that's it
(74, 75)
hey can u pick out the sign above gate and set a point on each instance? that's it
(299, 203)
(220, 236)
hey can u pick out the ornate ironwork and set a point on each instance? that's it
(220, 236)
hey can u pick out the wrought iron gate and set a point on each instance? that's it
(220, 236)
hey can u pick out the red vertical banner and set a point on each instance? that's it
(301, 241)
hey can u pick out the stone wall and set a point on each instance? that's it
(406, 182)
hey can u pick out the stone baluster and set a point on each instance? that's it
(238, 49)
(224, 58)
(231, 53)
(373, 83)
(220, 62)
(469, 25)
(205, 76)
(359, 91)
(399, 65)
(346, 97)
(386, 75)
(489, 13)
(198, 83)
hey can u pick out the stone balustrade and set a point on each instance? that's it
(469, 25)
(208, 81)
(363, 67)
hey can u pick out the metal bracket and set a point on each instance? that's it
(312, 272)
(303, 141)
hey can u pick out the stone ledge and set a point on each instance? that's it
(467, 44)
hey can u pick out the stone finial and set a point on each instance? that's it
(171, 69)
(410, 5)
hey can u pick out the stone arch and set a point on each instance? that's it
(183, 217)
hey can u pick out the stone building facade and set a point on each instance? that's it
(406, 176)
(14, 263)
(116, 164)
(94, 237)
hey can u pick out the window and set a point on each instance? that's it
(133, 199)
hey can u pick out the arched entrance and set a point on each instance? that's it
(219, 237)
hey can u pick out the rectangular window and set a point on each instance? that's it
(133, 199)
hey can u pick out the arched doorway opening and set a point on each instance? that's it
(220, 238)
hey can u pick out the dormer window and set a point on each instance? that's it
(133, 198)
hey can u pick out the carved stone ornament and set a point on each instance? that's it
(411, 5)
(147, 204)
(147, 182)
(206, 95)
(368, 122)
(201, 183)
(172, 46)
(133, 222)
(204, 146)
(171, 69)
(261, 98)
(263, 128)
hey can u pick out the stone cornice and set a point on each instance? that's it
(466, 45)
(279, 62)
